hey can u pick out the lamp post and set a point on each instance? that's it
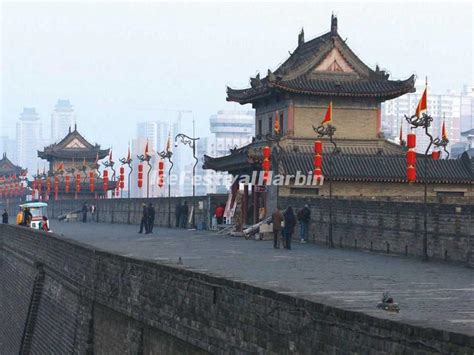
(424, 122)
(110, 164)
(191, 142)
(128, 161)
(168, 154)
(328, 131)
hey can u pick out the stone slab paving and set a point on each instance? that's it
(429, 294)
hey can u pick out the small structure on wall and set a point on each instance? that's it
(294, 98)
(73, 168)
(12, 180)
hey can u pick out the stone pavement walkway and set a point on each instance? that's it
(429, 294)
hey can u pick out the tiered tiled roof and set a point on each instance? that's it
(74, 145)
(324, 66)
(7, 168)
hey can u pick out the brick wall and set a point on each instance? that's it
(130, 210)
(394, 227)
(107, 303)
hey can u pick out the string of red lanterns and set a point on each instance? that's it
(140, 176)
(266, 163)
(411, 157)
(318, 160)
(161, 173)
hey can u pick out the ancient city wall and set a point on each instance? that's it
(393, 227)
(375, 225)
(59, 296)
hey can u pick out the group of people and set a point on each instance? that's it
(148, 219)
(284, 225)
(181, 214)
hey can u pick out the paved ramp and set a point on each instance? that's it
(429, 294)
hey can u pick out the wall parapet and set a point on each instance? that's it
(93, 299)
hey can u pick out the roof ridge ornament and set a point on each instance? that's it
(333, 24)
(301, 37)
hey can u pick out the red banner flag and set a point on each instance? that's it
(444, 133)
(422, 104)
(328, 115)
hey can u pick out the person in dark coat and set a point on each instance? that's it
(304, 216)
(144, 220)
(289, 228)
(151, 218)
(177, 214)
(5, 217)
(27, 217)
(184, 215)
(84, 212)
(277, 218)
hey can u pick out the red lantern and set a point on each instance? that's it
(411, 140)
(411, 173)
(317, 172)
(411, 157)
(318, 161)
(318, 147)
(66, 184)
(266, 152)
(435, 154)
(266, 165)
(140, 176)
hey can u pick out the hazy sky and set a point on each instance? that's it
(121, 63)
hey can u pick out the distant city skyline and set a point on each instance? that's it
(137, 62)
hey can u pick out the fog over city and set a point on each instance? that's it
(122, 63)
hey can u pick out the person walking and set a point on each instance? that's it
(184, 215)
(177, 214)
(277, 218)
(27, 217)
(219, 212)
(5, 216)
(290, 223)
(304, 216)
(144, 220)
(84, 212)
(151, 218)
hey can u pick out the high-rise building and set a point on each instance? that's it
(29, 139)
(157, 133)
(62, 119)
(8, 146)
(232, 129)
(453, 108)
